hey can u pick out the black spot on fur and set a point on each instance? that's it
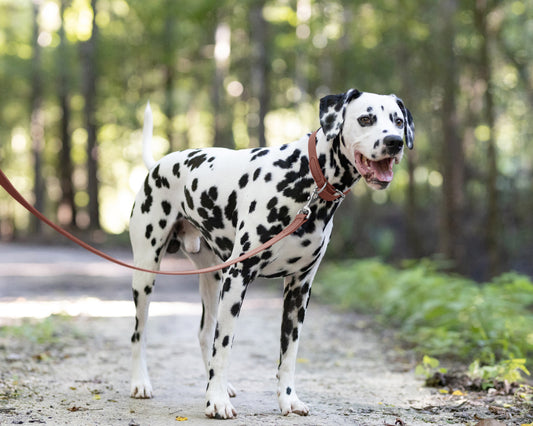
(268, 177)
(273, 201)
(288, 162)
(252, 207)
(202, 319)
(235, 309)
(147, 290)
(135, 297)
(160, 181)
(194, 185)
(266, 234)
(224, 244)
(195, 161)
(213, 193)
(189, 199)
(294, 259)
(148, 232)
(259, 152)
(145, 207)
(243, 181)
(176, 170)
(230, 211)
(256, 173)
(162, 223)
(301, 315)
(288, 391)
(225, 341)
(211, 374)
(166, 207)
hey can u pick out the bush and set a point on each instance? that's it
(439, 314)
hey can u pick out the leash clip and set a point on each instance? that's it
(312, 198)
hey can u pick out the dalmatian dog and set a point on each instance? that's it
(216, 204)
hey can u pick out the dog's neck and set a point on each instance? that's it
(336, 167)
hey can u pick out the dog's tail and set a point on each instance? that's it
(148, 128)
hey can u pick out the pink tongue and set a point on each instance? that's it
(382, 169)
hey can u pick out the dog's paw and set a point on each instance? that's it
(219, 407)
(141, 390)
(292, 404)
(232, 393)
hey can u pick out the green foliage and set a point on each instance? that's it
(439, 314)
(509, 370)
(428, 367)
(48, 331)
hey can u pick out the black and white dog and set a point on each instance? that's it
(217, 204)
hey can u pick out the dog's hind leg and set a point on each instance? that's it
(140, 381)
(149, 243)
(297, 291)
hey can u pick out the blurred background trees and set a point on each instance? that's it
(75, 76)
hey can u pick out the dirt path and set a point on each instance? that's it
(344, 372)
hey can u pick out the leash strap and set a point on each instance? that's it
(298, 221)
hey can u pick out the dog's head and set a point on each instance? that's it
(372, 129)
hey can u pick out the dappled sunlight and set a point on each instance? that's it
(90, 307)
(95, 307)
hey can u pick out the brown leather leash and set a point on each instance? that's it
(325, 191)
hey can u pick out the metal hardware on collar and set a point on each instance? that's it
(310, 200)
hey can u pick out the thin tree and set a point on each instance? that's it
(37, 119)
(89, 77)
(65, 170)
(259, 66)
(452, 147)
(481, 11)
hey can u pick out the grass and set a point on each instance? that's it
(437, 313)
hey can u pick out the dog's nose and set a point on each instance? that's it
(393, 143)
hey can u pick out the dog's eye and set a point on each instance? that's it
(365, 120)
(399, 122)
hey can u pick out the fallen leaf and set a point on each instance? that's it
(181, 419)
(96, 397)
(443, 391)
(458, 393)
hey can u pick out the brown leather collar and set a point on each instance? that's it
(326, 191)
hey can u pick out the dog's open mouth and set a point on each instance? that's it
(375, 171)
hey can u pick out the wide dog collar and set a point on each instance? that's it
(324, 190)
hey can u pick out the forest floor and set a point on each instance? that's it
(74, 369)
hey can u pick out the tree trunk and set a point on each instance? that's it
(493, 215)
(37, 121)
(67, 207)
(170, 56)
(88, 57)
(222, 136)
(259, 59)
(452, 147)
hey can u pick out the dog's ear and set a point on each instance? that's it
(332, 110)
(409, 127)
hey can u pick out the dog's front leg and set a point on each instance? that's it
(297, 291)
(234, 284)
